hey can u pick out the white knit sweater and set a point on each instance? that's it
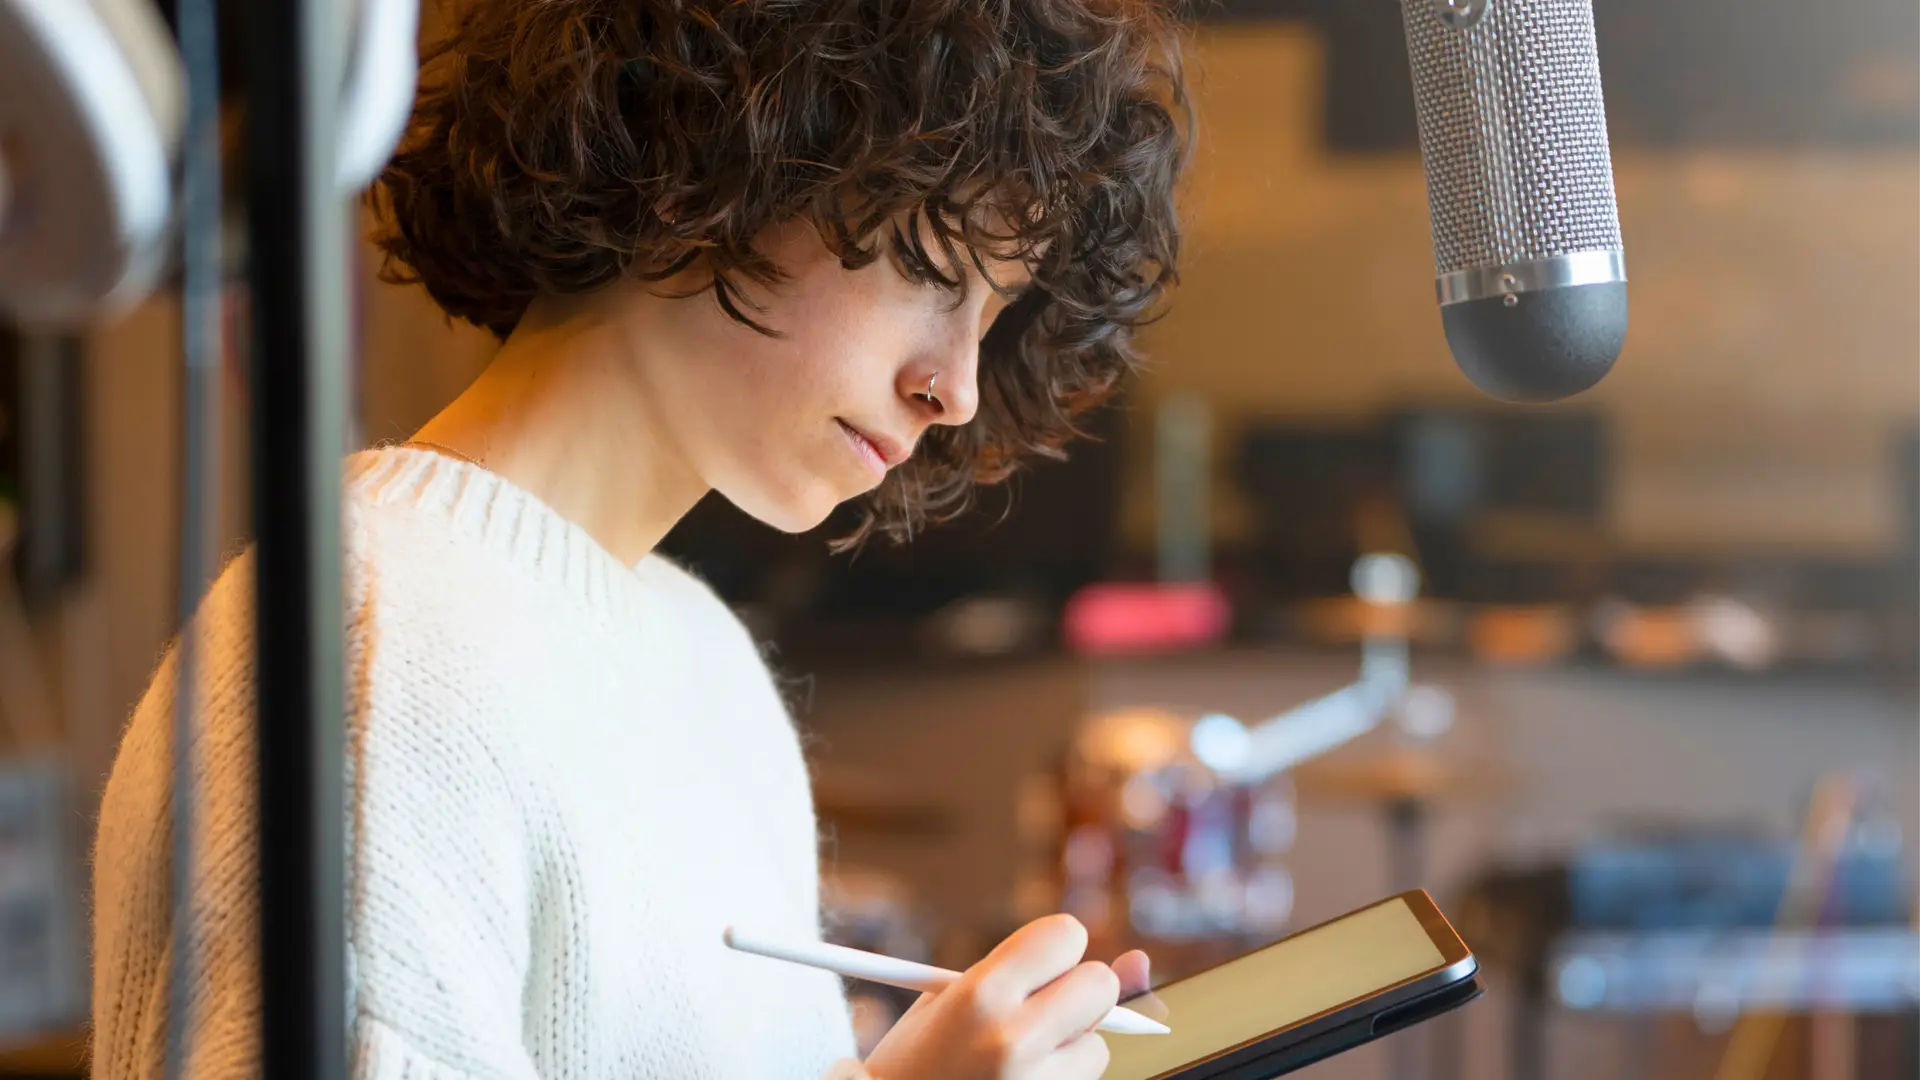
(565, 776)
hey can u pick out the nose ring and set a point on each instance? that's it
(928, 392)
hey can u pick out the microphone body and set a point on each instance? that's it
(1531, 275)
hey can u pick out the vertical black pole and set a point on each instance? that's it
(1527, 1038)
(1406, 834)
(297, 260)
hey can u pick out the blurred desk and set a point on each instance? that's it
(1856, 970)
(61, 1055)
(1709, 979)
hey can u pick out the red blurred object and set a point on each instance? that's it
(1145, 617)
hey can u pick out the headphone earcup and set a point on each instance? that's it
(377, 99)
(92, 103)
(91, 100)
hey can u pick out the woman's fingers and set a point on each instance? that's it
(1136, 975)
(1135, 972)
(1034, 956)
(1086, 1056)
(1066, 1008)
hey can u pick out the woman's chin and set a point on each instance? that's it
(793, 512)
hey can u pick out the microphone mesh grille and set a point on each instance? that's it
(1513, 132)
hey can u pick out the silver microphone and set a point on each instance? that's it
(1526, 232)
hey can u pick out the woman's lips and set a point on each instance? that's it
(868, 450)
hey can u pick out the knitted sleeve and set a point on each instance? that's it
(437, 874)
(133, 916)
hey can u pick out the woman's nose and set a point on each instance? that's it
(945, 389)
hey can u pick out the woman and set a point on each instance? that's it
(797, 253)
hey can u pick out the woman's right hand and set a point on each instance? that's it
(1026, 1012)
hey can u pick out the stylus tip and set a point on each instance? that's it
(1124, 1021)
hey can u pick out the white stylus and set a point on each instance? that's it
(874, 967)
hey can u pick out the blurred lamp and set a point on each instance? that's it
(1221, 743)
(1385, 581)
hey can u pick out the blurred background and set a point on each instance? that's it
(1641, 702)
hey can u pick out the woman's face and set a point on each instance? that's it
(789, 427)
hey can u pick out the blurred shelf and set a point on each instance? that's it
(54, 1054)
(854, 800)
(1844, 969)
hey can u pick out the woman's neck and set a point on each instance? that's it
(560, 413)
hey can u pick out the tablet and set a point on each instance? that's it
(1305, 997)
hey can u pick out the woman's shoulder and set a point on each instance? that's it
(684, 590)
(698, 607)
(718, 641)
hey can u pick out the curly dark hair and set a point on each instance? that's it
(558, 145)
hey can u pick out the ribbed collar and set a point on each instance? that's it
(482, 507)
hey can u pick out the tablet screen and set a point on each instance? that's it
(1282, 984)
